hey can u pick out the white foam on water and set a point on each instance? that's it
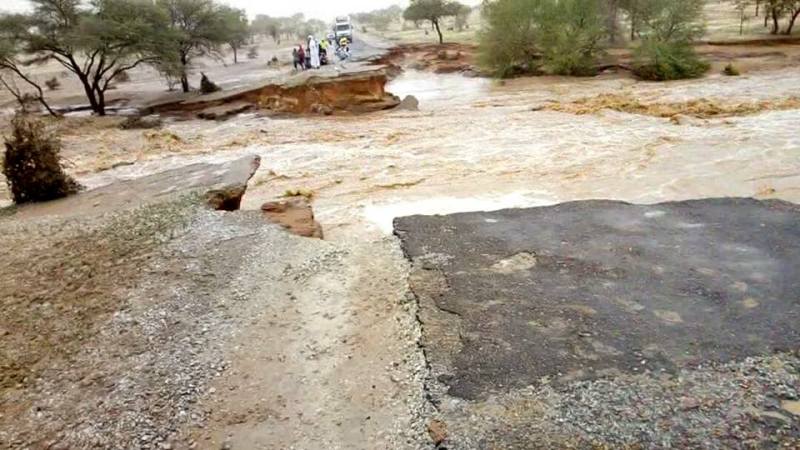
(383, 214)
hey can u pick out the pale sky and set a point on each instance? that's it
(326, 10)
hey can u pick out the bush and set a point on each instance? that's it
(32, 164)
(508, 40)
(730, 71)
(52, 84)
(122, 77)
(531, 36)
(661, 60)
(571, 31)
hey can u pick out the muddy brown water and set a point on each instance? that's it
(476, 144)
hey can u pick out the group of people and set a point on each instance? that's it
(318, 53)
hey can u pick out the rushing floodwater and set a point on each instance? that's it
(478, 146)
(438, 90)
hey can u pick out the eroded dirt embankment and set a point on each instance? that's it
(350, 92)
(444, 58)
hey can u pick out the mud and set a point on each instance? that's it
(445, 58)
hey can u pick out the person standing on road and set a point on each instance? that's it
(323, 51)
(313, 47)
(301, 57)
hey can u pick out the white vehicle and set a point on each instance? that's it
(343, 28)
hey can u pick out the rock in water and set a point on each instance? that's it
(410, 103)
(227, 192)
(295, 214)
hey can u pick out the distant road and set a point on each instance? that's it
(367, 46)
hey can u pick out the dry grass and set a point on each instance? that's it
(62, 282)
(700, 108)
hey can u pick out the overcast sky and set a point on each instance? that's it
(321, 9)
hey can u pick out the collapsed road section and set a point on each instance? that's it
(350, 91)
(611, 324)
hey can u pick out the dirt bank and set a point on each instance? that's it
(444, 58)
(357, 91)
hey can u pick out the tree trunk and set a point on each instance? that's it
(774, 29)
(792, 19)
(438, 31)
(235, 55)
(184, 76)
(758, 3)
(90, 94)
(613, 12)
(101, 102)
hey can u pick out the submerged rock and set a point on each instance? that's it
(409, 103)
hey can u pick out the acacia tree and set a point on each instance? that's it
(198, 29)
(96, 43)
(236, 29)
(433, 11)
(778, 9)
(462, 16)
(668, 30)
(13, 29)
(269, 26)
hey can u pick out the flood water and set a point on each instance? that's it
(439, 90)
(479, 145)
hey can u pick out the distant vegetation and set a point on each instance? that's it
(379, 19)
(434, 11)
(283, 28)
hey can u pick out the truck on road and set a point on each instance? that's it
(343, 28)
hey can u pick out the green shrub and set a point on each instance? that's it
(508, 39)
(570, 36)
(730, 71)
(548, 36)
(659, 60)
(32, 164)
(122, 77)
